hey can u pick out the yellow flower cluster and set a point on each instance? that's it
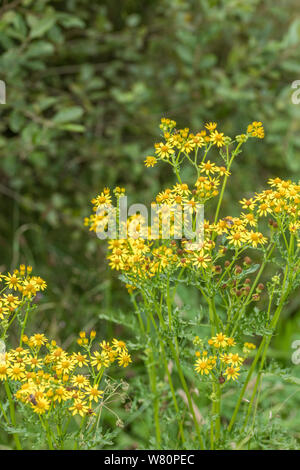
(256, 130)
(143, 255)
(58, 378)
(238, 231)
(217, 361)
(18, 287)
(281, 202)
(144, 258)
(248, 347)
(184, 142)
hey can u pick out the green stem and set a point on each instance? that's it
(153, 382)
(180, 425)
(263, 348)
(168, 374)
(249, 375)
(256, 402)
(12, 415)
(83, 419)
(11, 321)
(218, 412)
(258, 381)
(169, 377)
(24, 324)
(182, 380)
(188, 395)
(272, 326)
(4, 414)
(240, 313)
(212, 437)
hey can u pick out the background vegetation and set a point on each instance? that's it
(87, 83)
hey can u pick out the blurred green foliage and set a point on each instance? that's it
(87, 83)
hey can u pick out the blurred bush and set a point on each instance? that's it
(87, 83)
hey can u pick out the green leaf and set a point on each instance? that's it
(293, 380)
(73, 127)
(38, 49)
(40, 27)
(38, 159)
(70, 21)
(68, 114)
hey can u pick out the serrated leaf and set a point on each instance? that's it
(293, 380)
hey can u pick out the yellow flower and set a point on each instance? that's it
(40, 283)
(100, 360)
(79, 408)
(79, 381)
(208, 167)
(4, 310)
(256, 129)
(124, 359)
(164, 150)
(81, 359)
(60, 395)
(232, 373)
(104, 199)
(236, 238)
(188, 146)
(230, 342)
(65, 365)
(106, 346)
(248, 347)
(11, 300)
(150, 161)
(235, 359)
(37, 340)
(29, 288)
(202, 366)
(16, 372)
(119, 345)
(57, 353)
(201, 261)
(247, 204)
(34, 362)
(222, 171)
(217, 138)
(13, 281)
(264, 209)
(211, 126)
(197, 140)
(294, 226)
(93, 392)
(41, 405)
(220, 340)
(225, 358)
(3, 371)
(249, 219)
(255, 238)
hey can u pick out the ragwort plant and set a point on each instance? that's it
(53, 398)
(222, 270)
